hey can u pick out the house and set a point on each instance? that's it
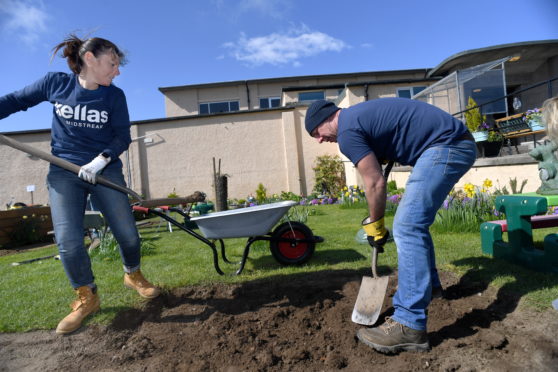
(255, 128)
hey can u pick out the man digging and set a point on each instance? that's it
(441, 150)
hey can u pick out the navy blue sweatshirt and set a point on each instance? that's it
(85, 122)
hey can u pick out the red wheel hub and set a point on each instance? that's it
(293, 250)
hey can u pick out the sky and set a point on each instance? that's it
(183, 42)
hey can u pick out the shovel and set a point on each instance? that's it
(371, 295)
(195, 197)
(372, 292)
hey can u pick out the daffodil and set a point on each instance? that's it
(469, 190)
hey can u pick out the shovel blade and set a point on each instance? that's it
(370, 300)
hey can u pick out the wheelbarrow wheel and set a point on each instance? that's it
(292, 253)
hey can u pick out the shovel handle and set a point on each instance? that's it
(64, 164)
(375, 262)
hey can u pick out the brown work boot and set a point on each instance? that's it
(87, 303)
(392, 337)
(136, 281)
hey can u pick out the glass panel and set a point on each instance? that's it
(264, 103)
(234, 105)
(218, 107)
(275, 101)
(204, 108)
(310, 96)
(404, 93)
(417, 90)
(487, 87)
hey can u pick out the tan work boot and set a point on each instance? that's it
(87, 303)
(136, 281)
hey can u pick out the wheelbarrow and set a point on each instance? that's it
(291, 242)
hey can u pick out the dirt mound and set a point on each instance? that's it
(295, 323)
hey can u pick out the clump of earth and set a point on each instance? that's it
(294, 323)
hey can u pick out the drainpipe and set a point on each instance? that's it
(366, 92)
(247, 94)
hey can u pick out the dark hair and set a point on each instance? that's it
(74, 48)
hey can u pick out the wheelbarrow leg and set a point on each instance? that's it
(195, 235)
(245, 254)
(223, 252)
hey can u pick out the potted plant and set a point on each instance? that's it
(534, 119)
(476, 123)
(493, 144)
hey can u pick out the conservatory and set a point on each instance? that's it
(485, 83)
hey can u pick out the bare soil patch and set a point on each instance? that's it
(293, 323)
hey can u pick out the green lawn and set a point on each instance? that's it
(37, 295)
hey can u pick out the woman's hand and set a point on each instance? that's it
(89, 171)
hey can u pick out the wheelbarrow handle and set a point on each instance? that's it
(64, 164)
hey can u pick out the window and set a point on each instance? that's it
(310, 96)
(270, 102)
(215, 107)
(409, 92)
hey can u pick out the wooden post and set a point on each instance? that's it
(220, 187)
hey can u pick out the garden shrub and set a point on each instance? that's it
(290, 196)
(474, 120)
(261, 194)
(329, 176)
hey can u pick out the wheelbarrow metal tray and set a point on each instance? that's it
(242, 222)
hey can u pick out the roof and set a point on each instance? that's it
(304, 77)
(532, 54)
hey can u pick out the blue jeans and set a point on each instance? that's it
(436, 172)
(68, 197)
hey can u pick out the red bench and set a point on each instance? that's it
(537, 222)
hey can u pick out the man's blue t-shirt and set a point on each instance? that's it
(397, 129)
(85, 122)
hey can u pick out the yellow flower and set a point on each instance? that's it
(347, 193)
(345, 188)
(487, 183)
(469, 189)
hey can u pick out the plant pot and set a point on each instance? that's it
(492, 149)
(480, 136)
(535, 124)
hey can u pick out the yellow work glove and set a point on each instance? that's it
(376, 233)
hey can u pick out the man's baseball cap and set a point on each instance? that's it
(317, 113)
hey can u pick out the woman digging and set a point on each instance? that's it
(90, 128)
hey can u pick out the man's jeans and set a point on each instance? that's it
(68, 197)
(434, 175)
